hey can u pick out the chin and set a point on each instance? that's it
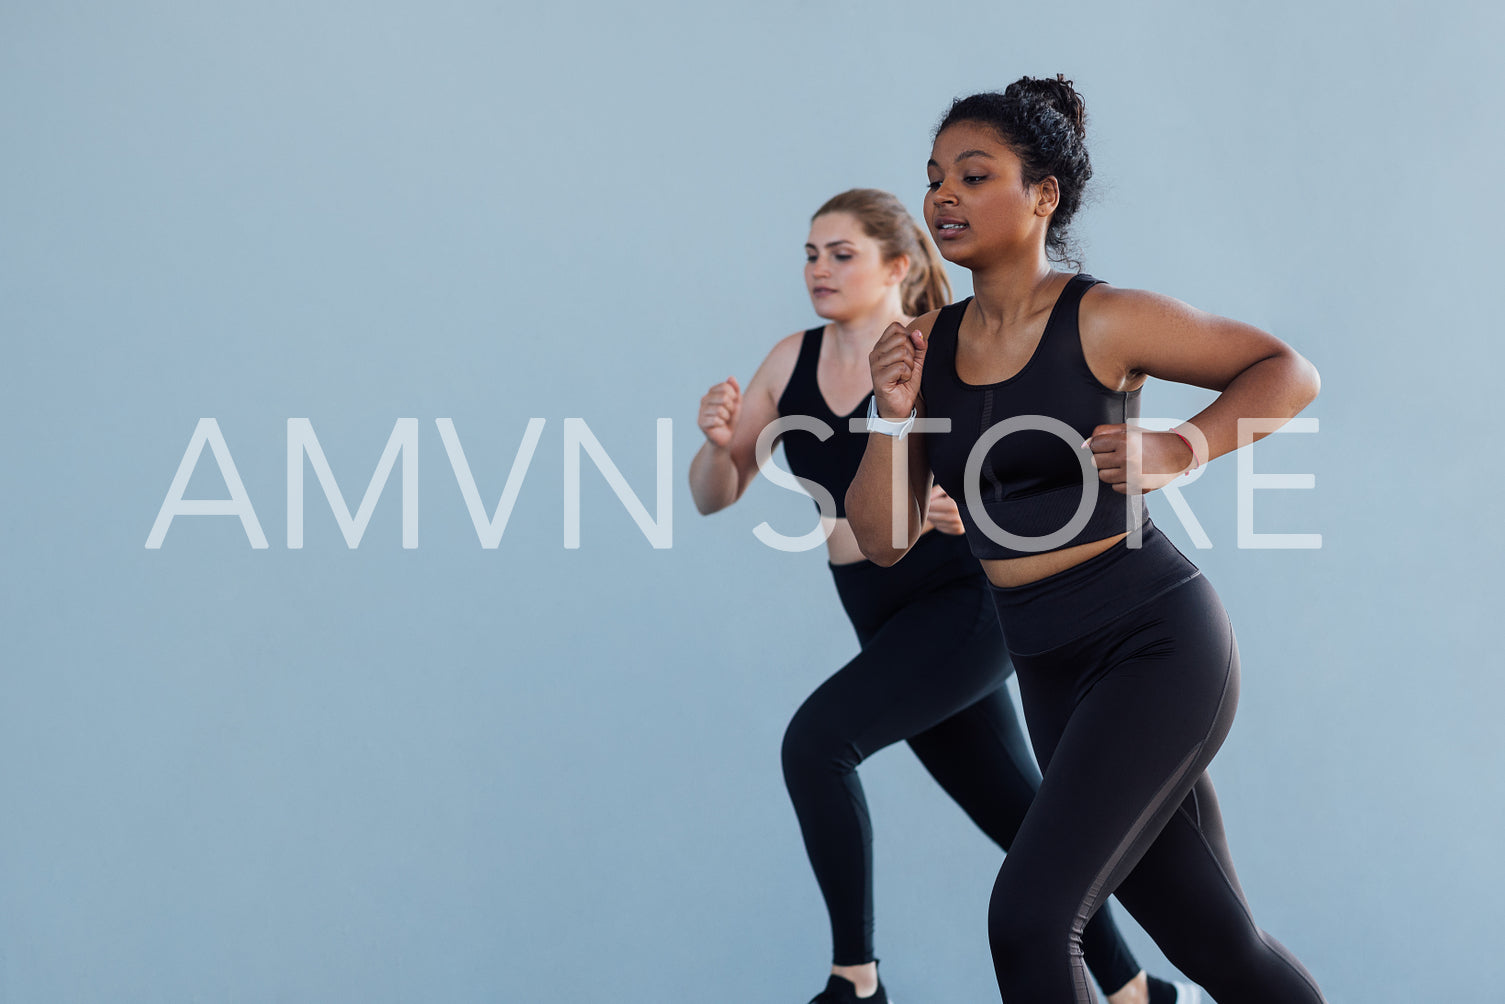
(958, 256)
(829, 311)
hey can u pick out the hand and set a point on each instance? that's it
(718, 412)
(1155, 458)
(896, 362)
(943, 513)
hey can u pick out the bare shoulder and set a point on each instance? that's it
(785, 351)
(1106, 309)
(1130, 333)
(774, 373)
(924, 323)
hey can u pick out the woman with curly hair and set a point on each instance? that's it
(1126, 660)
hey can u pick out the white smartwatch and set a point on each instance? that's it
(896, 429)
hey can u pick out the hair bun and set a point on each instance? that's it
(1059, 94)
(1070, 103)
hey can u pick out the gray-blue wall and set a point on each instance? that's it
(535, 774)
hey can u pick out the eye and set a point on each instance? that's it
(843, 256)
(809, 258)
(931, 186)
(973, 179)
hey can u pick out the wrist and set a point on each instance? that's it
(896, 427)
(1187, 458)
(711, 446)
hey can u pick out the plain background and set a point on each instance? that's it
(536, 774)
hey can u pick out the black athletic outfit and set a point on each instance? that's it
(1129, 674)
(931, 671)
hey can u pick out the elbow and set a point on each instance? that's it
(1306, 382)
(877, 551)
(871, 530)
(702, 505)
(705, 502)
(872, 543)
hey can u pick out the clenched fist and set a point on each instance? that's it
(718, 412)
(943, 513)
(896, 362)
(1155, 459)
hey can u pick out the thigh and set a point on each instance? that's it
(981, 758)
(1124, 721)
(918, 669)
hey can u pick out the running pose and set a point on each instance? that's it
(933, 663)
(1126, 659)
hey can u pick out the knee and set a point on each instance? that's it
(1027, 925)
(1021, 934)
(812, 743)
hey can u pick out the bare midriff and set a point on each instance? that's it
(1007, 572)
(842, 549)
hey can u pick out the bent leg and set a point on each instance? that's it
(904, 681)
(980, 757)
(1124, 720)
(1125, 738)
(1186, 895)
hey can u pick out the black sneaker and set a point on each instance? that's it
(840, 990)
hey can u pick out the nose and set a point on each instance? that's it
(820, 268)
(943, 196)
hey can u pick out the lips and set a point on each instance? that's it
(822, 291)
(949, 227)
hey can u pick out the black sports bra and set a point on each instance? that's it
(831, 463)
(1030, 478)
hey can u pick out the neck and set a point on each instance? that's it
(1006, 291)
(857, 335)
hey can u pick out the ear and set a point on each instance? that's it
(898, 270)
(1049, 197)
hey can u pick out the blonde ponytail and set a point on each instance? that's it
(926, 287)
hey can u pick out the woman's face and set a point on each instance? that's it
(845, 273)
(979, 211)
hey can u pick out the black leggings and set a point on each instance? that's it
(932, 671)
(1129, 673)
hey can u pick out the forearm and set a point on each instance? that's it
(884, 494)
(714, 480)
(1277, 387)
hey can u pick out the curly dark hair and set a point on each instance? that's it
(1044, 122)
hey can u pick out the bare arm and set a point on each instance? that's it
(888, 500)
(731, 420)
(1144, 334)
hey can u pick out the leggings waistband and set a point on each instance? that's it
(1047, 613)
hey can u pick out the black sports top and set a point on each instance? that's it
(1031, 481)
(831, 463)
